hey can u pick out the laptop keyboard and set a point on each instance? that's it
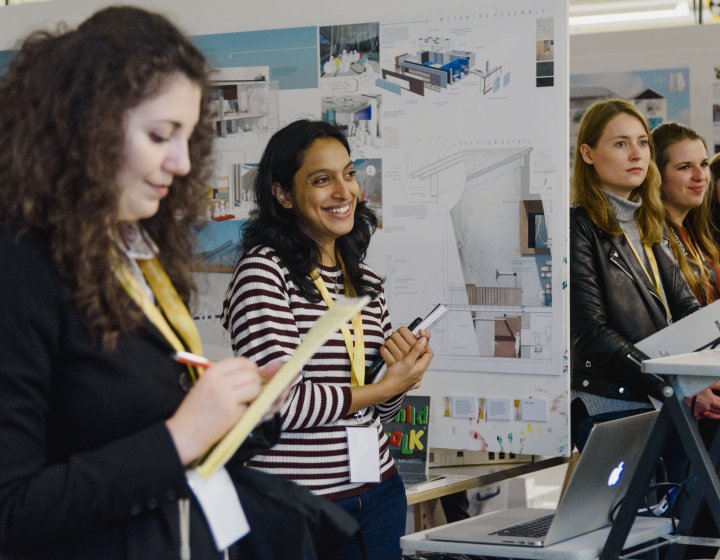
(535, 528)
(411, 479)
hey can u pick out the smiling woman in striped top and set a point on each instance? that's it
(304, 248)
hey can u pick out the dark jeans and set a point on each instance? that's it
(381, 512)
(705, 525)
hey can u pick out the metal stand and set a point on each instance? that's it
(674, 416)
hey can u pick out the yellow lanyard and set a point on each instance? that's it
(173, 309)
(655, 278)
(356, 351)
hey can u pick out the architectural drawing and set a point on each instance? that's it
(499, 292)
(434, 65)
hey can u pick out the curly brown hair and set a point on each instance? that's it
(62, 108)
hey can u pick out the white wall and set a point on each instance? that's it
(695, 47)
(218, 16)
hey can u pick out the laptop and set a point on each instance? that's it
(601, 478)
(408, 435)
(414, 475)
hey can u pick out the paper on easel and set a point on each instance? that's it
(697, 331)
(323, 328)
(690, 339)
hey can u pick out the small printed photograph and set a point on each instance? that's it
(544, 29)
(716, 113)
(358, 117)
(540, 232)
(242, 101)
(349, 50)
(218, 246)
(507, 337)
(368, 173)
(545, 69)
(545, 50)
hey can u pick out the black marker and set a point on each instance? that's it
(377, 365)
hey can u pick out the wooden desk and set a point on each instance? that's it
(428, 510)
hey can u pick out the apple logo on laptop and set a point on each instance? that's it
(616, 474)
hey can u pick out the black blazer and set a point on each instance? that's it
(612, 306)
(88, 469)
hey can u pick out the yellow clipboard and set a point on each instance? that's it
(323, 328)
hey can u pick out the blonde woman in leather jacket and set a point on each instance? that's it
(624, 284)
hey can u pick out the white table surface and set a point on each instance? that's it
(584, 547)
(695, 370)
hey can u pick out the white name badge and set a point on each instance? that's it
(221, 506)
(364, 452)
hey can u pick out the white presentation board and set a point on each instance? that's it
(458, 121)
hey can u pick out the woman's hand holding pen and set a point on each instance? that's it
(407, 358)
(215, 404)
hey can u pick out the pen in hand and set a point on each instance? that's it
(379, 362)
(190, 359)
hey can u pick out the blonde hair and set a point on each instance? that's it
(586, 190)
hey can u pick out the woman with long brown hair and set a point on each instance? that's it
(682, 159)
(687, 193)
(624, 285)
(102, 175)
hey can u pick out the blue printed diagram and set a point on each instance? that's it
(436, 65)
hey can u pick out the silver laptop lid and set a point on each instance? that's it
(602, 476)
(601, 479)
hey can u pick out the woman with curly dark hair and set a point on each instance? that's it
(303, 248)
(102, 174)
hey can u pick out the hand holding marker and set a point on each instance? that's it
(375, 372)
(190, 359)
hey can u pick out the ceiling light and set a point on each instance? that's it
(681, 10)
(587, 16)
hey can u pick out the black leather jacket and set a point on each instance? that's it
(612, 306)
